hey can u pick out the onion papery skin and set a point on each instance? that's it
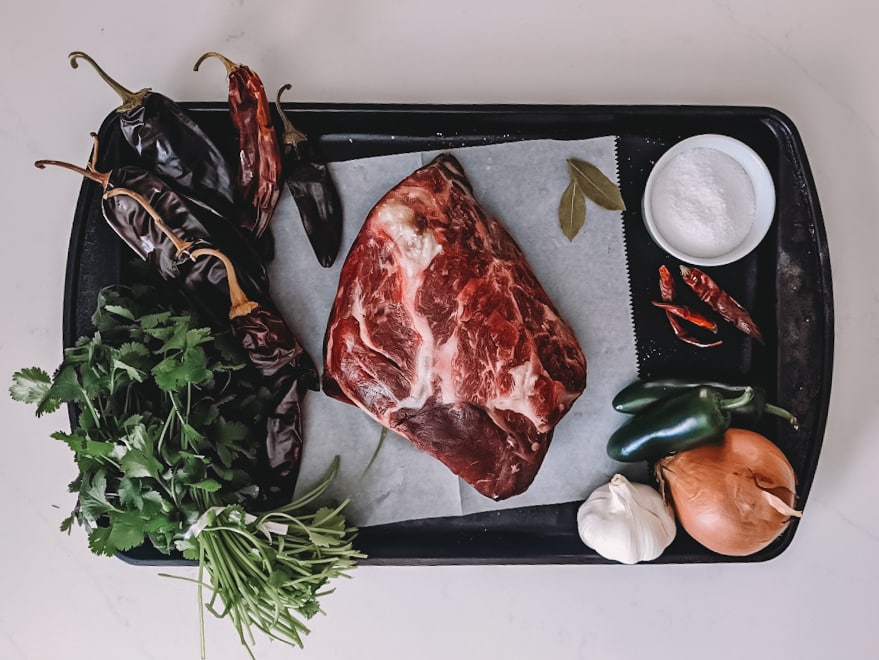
(719, 492)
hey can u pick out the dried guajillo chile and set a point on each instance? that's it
(642, 394)
(312, 187)
(167, 231)
(169, 143)
(258, 181)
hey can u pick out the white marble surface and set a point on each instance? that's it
(816, 61)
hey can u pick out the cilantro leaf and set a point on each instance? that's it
(138, 463)
(209, 485)
(126, 530)
(195, 366)
(30, 385)
(99, 542)
(119, 310)
(130, 493)
(169, 375)
(135, 355)
(148, 321)
(93, 502)
(81, 444)
(66, 524)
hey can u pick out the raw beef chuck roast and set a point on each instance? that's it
(441, 332)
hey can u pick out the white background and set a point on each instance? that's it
(815, 61)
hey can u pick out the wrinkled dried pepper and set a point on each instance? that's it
(313, 190)
(667, 293)
(259, 178)
(720, 301)
(687, 314)
(165, 140)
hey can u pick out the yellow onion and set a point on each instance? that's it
(734, 497)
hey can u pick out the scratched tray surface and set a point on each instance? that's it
(786, 283)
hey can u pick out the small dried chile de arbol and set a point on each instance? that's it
(154, 132)
(309, 181)
(259, 168)
(169, 232)
(667, 293)
(720, 301)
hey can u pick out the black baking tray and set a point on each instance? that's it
(785, 283)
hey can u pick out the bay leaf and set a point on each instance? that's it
(572, 210)
(595, 185)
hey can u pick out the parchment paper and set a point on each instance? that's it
(520, 183)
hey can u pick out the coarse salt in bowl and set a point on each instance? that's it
(709, 200)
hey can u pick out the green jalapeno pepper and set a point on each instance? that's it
(685, 420)
(642, 394)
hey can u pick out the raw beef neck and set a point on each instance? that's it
(441, 332)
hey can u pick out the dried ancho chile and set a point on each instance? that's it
(313, 190)
(258, 181)
(221, 277)
(152, 131)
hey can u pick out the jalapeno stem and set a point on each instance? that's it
(769, 409)
(292, 136)
(229, 64)
(129, 99)
(181, 245)
(240, 305)
(742, 400)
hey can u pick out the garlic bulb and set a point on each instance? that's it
(626, 522)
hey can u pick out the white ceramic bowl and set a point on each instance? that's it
(761, 181)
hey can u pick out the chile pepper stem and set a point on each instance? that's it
(241, 306)
(129, 99)
(742, 400)
(89, 173)
(769, 409)
(229, 64)
(292, 136)
(179, 243)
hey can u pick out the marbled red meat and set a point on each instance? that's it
(441, 332)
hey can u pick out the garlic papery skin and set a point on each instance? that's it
(626, 522)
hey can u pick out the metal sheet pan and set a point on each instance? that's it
(787, 280)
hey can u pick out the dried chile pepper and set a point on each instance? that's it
(258, 181)
(666, 284)
(313, 190)
(170, 233)
(687, 314)
(720, 301)
(167, 141)
(667, 293)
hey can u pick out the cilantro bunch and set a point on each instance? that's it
(168, 420)
(169, 416)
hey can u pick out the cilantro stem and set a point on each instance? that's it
(99, 420)
(164, 433)
(200, 590)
